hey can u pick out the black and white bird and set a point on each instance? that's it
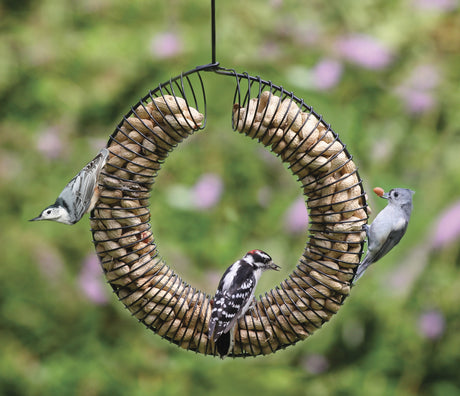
(234, 296)
(388, 228)
(79, 196)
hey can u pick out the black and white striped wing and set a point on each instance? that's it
(229, 305)
(79, 191)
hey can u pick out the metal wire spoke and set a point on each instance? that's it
(315, 155)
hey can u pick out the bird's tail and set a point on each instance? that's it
(224, 344)
(362, 268)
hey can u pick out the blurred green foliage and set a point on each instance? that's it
(69, 71)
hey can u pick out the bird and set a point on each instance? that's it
(79, 196)
(388, 227)
(234, 296)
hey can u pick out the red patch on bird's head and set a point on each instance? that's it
(254, 251)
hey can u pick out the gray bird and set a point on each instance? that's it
(79, 196)
(388, 228)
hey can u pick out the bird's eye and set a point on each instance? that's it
(396, 194)
(48, 211)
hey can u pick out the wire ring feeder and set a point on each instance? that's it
(157, 296)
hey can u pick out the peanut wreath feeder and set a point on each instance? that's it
(151, 290)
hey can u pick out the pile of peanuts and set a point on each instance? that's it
(155, 295)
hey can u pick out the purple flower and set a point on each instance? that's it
(207, 191)
(435, 5)
(416, 101)
(315, 363)
(166, 45)
(423, 77)
(91, 281)
(431, 324)
(296, 217)
(50, 143)
(365, 51)
(416, 91)
(447, 228)
(326, 74)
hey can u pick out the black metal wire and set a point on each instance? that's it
(213, 31)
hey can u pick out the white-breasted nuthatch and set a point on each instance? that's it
(79, 196)
(388, 228)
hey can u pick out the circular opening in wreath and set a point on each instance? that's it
(220, 195)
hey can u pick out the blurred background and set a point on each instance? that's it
(385, 75)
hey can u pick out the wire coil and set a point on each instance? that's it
(151, 290)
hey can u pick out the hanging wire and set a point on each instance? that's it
(213, 32)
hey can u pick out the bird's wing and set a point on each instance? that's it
(80, 189)
(228, 307)
(383, 226)
(390, 242)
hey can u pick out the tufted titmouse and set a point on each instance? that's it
(388, 228)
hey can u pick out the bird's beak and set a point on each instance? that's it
(36, 218)
(275, 267)
(385, 195)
